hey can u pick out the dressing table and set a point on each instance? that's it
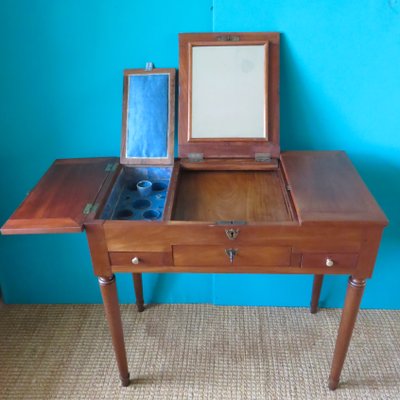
(231, 202)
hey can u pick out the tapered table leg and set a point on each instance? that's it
(316, 291)
(137, 283)
(110, 299)
(355, 290)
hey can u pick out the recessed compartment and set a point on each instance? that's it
(231, 196)
(243, 255)
(125, 202)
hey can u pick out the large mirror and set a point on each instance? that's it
(228, 92)
(229, 95)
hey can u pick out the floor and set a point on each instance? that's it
(195, 352)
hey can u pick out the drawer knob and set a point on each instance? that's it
(135, 260)
(329, 262)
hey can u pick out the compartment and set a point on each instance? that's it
(125, 202)
(231, 196)
(330, 261)
(219, 255)
(140, 258)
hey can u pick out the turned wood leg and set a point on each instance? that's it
(316, 291)
(110, 299)
(355, 290)
(137, 283)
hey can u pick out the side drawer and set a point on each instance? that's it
(198, 255)
(330, 261)
(142, 258)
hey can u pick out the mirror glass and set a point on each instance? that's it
(228, 92)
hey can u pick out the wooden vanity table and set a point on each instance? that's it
(231, 202)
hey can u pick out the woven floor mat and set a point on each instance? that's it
(195, 352)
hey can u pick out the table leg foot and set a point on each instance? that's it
(138, 285)
(355, 290)
(333, 384)
(316, 291)
(125, 381)
(111, 307)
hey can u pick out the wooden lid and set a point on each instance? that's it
(65, 198)
(148, 117)
(229, 95)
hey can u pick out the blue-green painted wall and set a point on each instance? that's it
(61, 69)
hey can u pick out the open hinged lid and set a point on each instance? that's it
(229, 95)
(65, 198)
(148, 117)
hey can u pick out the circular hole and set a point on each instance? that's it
(151, 214)
(159, 186)
(141, 204)
(127, 197)
(144, 184)
(124, 213)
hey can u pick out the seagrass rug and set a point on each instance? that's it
(195, 352)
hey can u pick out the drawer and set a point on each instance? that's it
(138, 258)
(219, 255)
(330, 261)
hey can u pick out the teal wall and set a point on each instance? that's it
(61, 66)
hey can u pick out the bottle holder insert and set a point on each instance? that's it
(126, 203)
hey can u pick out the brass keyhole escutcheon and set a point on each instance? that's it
(231, 253)
(232, 233)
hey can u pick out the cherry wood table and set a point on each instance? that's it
(304, 213)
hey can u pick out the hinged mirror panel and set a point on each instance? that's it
(229, 94)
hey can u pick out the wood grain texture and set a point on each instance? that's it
(235, 195)
(151, 236)
(229, 148)
(98, 248)
(56, 203)
(108, 290)
(145, 258)
(246, 255)
(294, 269)
(326, 188)
(138, 287)
(316, 291)
(355, 290)
(216, 164)
(340, 260)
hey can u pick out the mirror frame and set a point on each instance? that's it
(229, 147)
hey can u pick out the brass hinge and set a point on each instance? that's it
(89, 208)
(196, 157)
(263, 157)
(111, 167)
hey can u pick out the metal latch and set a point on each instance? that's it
(231, 222)
(228, 38)
(196, 157)
(89, 208)
(111, 167)
(263, 157)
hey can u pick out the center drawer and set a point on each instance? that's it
(197, 255)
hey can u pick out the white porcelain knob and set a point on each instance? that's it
(329, 262)
(135, 260)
